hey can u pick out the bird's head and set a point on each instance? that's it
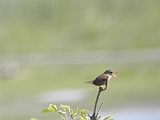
(110, 72)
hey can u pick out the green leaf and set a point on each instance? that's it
(81, 118)
(45, 110)
(64, 107)
(83, 111)
(84, 115)
(73, 112)
(52, 107)
(108, 118)
(62, 113)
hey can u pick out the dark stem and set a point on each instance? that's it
(99, 108)
(95, 106)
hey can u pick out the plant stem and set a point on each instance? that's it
(71, 114)
(99, 108)
(95, 106)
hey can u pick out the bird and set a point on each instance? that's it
(103, 78)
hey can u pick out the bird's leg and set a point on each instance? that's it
(105, 88)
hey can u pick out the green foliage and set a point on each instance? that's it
(50, 108)
(108, 118)
(75, 114)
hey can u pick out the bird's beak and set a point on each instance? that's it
(114, 75)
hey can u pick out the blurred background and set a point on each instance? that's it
(49, 48)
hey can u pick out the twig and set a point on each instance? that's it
(99, 109)
(71, 114)
(95, 106)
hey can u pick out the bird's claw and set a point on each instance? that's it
(102, 89)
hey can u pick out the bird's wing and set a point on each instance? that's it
(100, 80)
(103, 77)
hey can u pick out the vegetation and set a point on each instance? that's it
(44, 27)
(83, 114)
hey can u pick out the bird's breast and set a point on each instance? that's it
(109, 77)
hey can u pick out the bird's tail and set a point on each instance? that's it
(89, 81)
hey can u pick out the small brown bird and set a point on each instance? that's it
(103, 78)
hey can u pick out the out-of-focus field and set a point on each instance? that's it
(53, 26)
(49, 27)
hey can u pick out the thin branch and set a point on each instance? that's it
(95, 106)
(71, 114)
(99, 109)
